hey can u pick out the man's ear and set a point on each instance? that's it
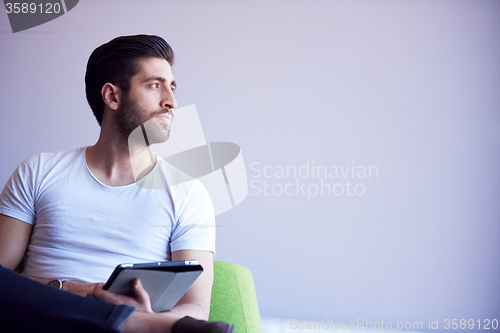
(111, 95)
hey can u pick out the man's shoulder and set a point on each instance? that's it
(49, 160)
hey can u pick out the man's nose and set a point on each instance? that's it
(169, 100)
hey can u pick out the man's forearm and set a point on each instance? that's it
(194, 310)
(41, 280)
(196, 301)
(77, 288)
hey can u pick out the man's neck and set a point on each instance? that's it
(113, 164)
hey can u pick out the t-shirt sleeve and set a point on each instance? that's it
(17, 197)
(195, 227)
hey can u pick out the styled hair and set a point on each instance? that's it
(117, 62)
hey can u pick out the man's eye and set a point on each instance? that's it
(155, 85)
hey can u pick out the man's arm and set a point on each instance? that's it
(196, 301)
(14, 238)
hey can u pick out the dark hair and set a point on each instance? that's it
(117, 62)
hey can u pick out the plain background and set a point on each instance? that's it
(411, 87)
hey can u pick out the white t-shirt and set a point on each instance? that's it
(83, 228)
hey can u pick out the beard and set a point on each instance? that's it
(131, 119)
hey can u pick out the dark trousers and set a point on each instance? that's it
(30, 306)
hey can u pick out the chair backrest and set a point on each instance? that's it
(234, 299)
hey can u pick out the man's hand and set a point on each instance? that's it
(80, 288)
(140, 300)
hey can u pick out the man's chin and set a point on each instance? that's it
(158, 138)
(156, 133)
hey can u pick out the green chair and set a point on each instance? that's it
(234, 299)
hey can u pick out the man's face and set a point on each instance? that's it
(149, 101)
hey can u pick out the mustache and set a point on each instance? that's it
(160, 112)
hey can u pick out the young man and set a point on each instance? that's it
(76, 215)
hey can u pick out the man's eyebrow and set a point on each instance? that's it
(159, 78)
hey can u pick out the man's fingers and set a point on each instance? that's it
(96, 288)
(109, 297)
(140, 293)
(140, 300)
(142, 296)
(101, 294)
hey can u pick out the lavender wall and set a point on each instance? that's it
(408, 88)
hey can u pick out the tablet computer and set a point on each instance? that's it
(165, 281)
